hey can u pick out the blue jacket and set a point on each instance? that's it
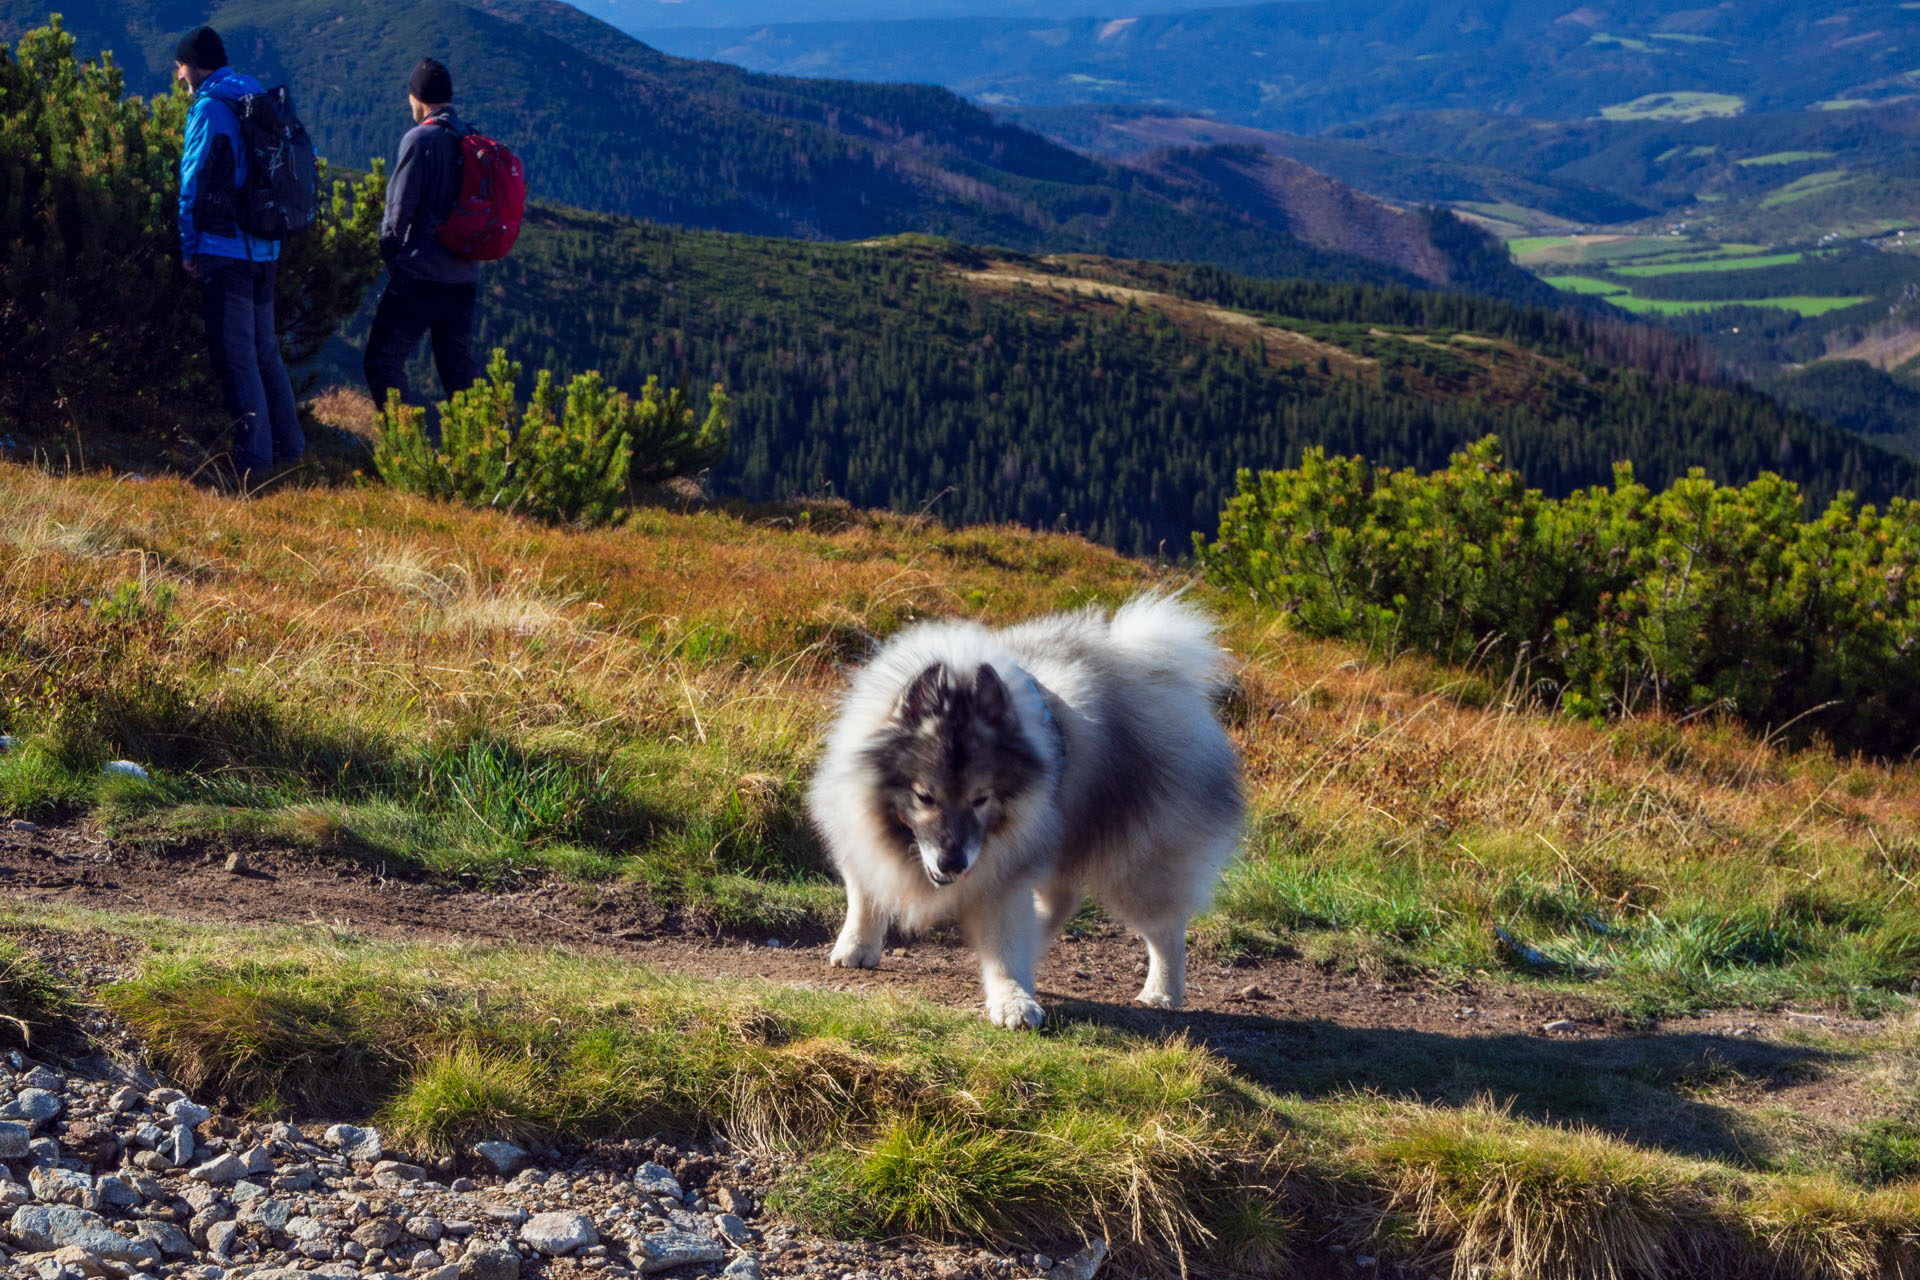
(420, 194)
(213, 168)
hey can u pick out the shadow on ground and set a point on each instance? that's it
(1664, 1090)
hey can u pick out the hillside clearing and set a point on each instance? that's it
(1245, 330)
(441, 735)
(1684, 107)
(1801, 305)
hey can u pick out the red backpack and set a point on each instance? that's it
(493, 198)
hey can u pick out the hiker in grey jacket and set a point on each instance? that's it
(428, 287)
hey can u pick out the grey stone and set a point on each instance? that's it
(355, 1143)
(664, 1249)
(12, 1194)
(14, 1138)
(1082, 1265)
(655, 1180)
(557, 1234)
(425, 1227)
(42, 1228)
(117, 1193)
(54, 1185)
(165, 1237)
(179, 1145)
(245, 1192)
(33, 1106)
(274, 1214)
(504, 1158)
(446, 1271)
(149, 1135)
(487, 1261)
(744, 1267)
(303, 1227)
(200, 1225)
(734, 1227)
(44, 1078)
(123, 769)
(123, 1099)
(43, 1153)
(399, 1171)
(377, 1233)
(222, 1168)
(258, 1160)
(188, 1112)
(425, 1259)
(161, 1099)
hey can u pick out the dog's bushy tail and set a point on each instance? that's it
(1173, 638)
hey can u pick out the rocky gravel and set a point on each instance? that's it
(105, 1176)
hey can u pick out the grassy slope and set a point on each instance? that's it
(371, 675)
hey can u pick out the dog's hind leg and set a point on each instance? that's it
(863, 934)
(1166, 984)
(1006, 936)
(1157, 910)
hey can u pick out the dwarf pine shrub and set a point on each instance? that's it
(1701, 596)
(572, 459)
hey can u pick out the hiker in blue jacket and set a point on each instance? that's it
(429, 287)
(235, 270)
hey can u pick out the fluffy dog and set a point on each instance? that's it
(989, 778)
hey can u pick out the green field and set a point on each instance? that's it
(1811, 185)
(1805, 306)
(1710, 264)
(1520, 246)
(1599, 250)
(1584, 284)
(1783, 157)
(1676, 106)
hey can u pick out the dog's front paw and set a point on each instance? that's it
(854, 955)
(1015, 1010)
(1153, 999)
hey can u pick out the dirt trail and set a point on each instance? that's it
(1093, 976)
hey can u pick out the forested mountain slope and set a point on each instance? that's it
(607, 123)
(1307, 66)
(1117, 399)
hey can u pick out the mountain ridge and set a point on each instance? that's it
(605, 122)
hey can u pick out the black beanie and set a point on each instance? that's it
(202, 49)
(431, 83)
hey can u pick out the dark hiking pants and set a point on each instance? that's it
(236, 302)
(408, 309)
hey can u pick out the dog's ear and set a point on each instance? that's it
(991, 701)
(923, 697)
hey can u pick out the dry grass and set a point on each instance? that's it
(904, 1118)
(346, 652)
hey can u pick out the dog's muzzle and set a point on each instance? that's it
(947, 869)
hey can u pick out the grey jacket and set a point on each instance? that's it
(420, 195)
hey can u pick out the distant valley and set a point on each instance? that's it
(1749, 174)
